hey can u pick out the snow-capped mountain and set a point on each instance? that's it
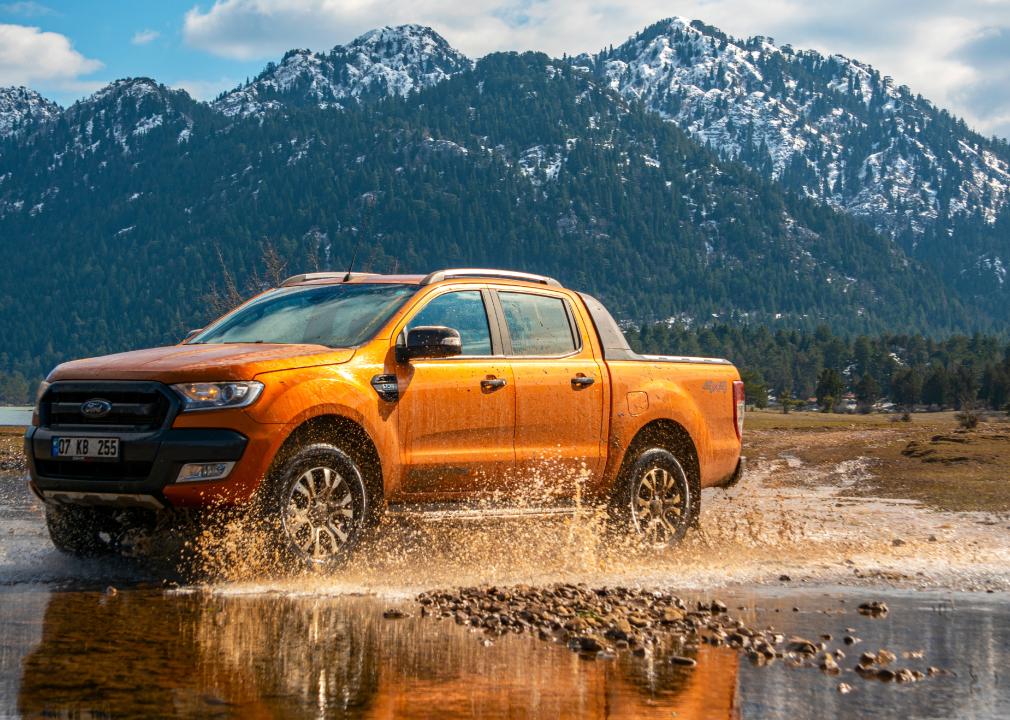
(21, 107)
(386, 61)
(830, 127)
(126, 111)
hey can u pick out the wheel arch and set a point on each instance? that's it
(671, 436)
(347, 434)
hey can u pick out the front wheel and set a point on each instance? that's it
(77, 530)
(318, 508)
(654, 501)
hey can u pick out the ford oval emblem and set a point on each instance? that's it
(96, 408)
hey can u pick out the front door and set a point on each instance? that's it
(560, 393)
(457, 414)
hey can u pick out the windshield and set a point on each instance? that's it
(333, 315)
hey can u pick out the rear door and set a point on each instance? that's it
(560, 389)
(457, 414)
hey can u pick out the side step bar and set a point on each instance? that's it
(450, 512)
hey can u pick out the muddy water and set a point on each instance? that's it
(156, 653)
(248, 644)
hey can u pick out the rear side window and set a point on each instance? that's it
(538, 324)
(462, 311)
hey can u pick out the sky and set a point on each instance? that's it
(957, 54)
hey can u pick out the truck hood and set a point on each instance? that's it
(192, 363)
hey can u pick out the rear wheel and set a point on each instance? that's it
(319, 507)
(655, 502)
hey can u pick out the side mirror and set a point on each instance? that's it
(192, 334)
(430, 341)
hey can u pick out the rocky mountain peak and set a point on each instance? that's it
(382, 62)
(20, 107)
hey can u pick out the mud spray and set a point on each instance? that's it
(786, 521)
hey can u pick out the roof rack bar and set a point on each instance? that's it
(304, 277)
(453, 273)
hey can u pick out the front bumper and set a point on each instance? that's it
(149, 463)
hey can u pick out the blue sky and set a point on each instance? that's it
(128, 39)
(955, 53)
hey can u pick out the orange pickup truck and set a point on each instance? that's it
(336, 397)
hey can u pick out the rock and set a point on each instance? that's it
(828, 664)
(868, 658)
(394, 614)
(586, 644)
(719, 607)
(672, 615)
(784, 578)
(905, 676)
(850, 640)
(876, 608)
(885, 657)
(844, 688)
(801, 645)
(111, 591)
(684, 661)
(885, 675)
(932, 538)
(897, 542)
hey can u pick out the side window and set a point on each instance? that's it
(538, 324)
(462, 311)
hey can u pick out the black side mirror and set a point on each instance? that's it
(192, 334)
(430, 341)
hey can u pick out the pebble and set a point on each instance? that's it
(685, 661)
(602, 623)
(876, 608)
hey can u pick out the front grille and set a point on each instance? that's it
(77, 470)
(136, 407)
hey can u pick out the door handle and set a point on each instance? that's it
(582, 381)
(491, 384)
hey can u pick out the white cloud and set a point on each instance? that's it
(142, 37)
(26, 9)
(28, 55)
(915, 41)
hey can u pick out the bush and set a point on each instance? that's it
(968, 419)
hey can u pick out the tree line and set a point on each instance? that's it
(958, 372)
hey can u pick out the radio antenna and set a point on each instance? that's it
(350, 267)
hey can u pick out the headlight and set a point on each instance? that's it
(217, 395)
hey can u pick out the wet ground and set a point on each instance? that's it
(797, 547)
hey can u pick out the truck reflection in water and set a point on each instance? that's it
(145, 653)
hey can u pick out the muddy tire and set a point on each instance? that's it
(77, 530)
(317, 507)
(655, 501)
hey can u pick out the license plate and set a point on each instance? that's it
(82, 448)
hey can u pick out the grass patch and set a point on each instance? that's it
(930, 459)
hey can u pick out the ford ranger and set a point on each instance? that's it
(336, 397)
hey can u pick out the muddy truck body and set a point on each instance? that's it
(337, 397)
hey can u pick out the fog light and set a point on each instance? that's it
(192, 472)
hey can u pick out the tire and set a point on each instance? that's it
(318, 508)
(654, 501)
(78, 530)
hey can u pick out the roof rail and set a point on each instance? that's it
(296, 279)
(440, 275)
